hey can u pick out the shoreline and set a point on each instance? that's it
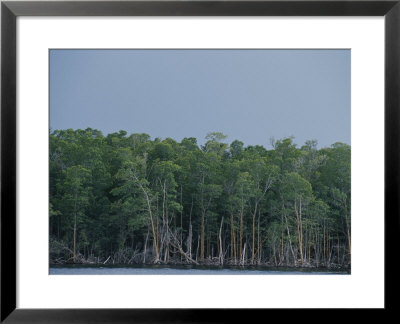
(263, 267)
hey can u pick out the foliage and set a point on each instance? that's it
(127, 198)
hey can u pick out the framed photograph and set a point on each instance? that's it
(164, 158)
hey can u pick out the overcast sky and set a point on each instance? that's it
(250, 95)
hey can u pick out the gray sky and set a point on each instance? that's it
(249, 95)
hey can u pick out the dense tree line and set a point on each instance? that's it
(124, 199)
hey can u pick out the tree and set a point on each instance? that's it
(244, 191)
(133, 176)
(166, 188)
(206, 191)
(128, 199)
(75, 199)
(214, 143)
(263, 175)
(296, 195)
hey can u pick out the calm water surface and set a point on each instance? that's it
(185, 270)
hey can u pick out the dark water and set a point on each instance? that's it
(185, 270)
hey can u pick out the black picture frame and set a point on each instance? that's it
(10, 10)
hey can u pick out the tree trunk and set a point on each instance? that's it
(347, 228)
(202, 237)
(290, 241)
(243, 254)
(75, 225)
(232, 238)
(258, 239)
(189, 240)
(241, 234)
(145, 247)
(75, 239)
(221, 251)
(156, 259)
(299, 229)
(253, 234)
